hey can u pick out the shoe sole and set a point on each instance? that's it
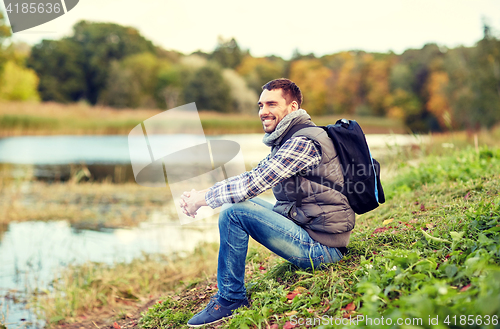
(208, 323)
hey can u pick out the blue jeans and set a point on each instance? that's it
(279, 234)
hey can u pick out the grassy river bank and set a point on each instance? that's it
(431, 251)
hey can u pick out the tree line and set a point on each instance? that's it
(431, 89)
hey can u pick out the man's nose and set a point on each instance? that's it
(263, 111)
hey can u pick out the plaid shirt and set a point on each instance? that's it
(296, 154)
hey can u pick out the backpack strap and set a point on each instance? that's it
(288, 135)
(293, 130)
(318, 180)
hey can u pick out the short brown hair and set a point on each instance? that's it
(291, 92)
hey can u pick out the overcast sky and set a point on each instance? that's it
(278, 27)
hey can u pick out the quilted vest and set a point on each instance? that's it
(325, 213)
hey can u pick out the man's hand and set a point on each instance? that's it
(192, 201)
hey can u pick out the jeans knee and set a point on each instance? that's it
(225, 214)
(229, 212)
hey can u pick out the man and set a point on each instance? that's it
(309, 221)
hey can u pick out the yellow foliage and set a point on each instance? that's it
(346, 83)
(312, 77)
(438, 101)
(259, 70)
(18, 83)
(395, 112)
(377, 81)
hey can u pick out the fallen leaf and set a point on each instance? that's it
(422, 207)
(273, 326)
(326, 309)
(465, 288)
(387, 221)
(349, 307)
(291, 295)
(288, 325)
(202, 296)
(290, 313)
(116, 326)
(295, 292)
(380, 230)
(429, 225)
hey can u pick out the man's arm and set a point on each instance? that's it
(191, 205)
(297, 154)
(192, 201)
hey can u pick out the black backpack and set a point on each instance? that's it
(361, 172)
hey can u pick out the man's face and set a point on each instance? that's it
(273, 108)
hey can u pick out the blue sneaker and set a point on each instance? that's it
(215, 312)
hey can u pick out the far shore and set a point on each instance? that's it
(48, 118)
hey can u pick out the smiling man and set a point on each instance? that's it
(309, 224)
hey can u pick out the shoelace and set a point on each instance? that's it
(212, 301)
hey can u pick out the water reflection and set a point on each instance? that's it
(32, 252)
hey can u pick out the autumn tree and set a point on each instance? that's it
(312, 76)
(377, 84)
(345, 83)
(257, 71)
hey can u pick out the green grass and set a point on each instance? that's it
(119, 288)
(432, 251)
(430, 256)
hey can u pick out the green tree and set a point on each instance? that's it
(59, 65)
(485, 80)
(84, 60)
(457, 65)
(132, 82)
(102, 43)
(227, 53)
(18, 83)
(244, 99)
(209, 90)
(5, 33)
(171, 80)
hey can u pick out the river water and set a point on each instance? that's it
(31, 253)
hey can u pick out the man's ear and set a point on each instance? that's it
(295, 106)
